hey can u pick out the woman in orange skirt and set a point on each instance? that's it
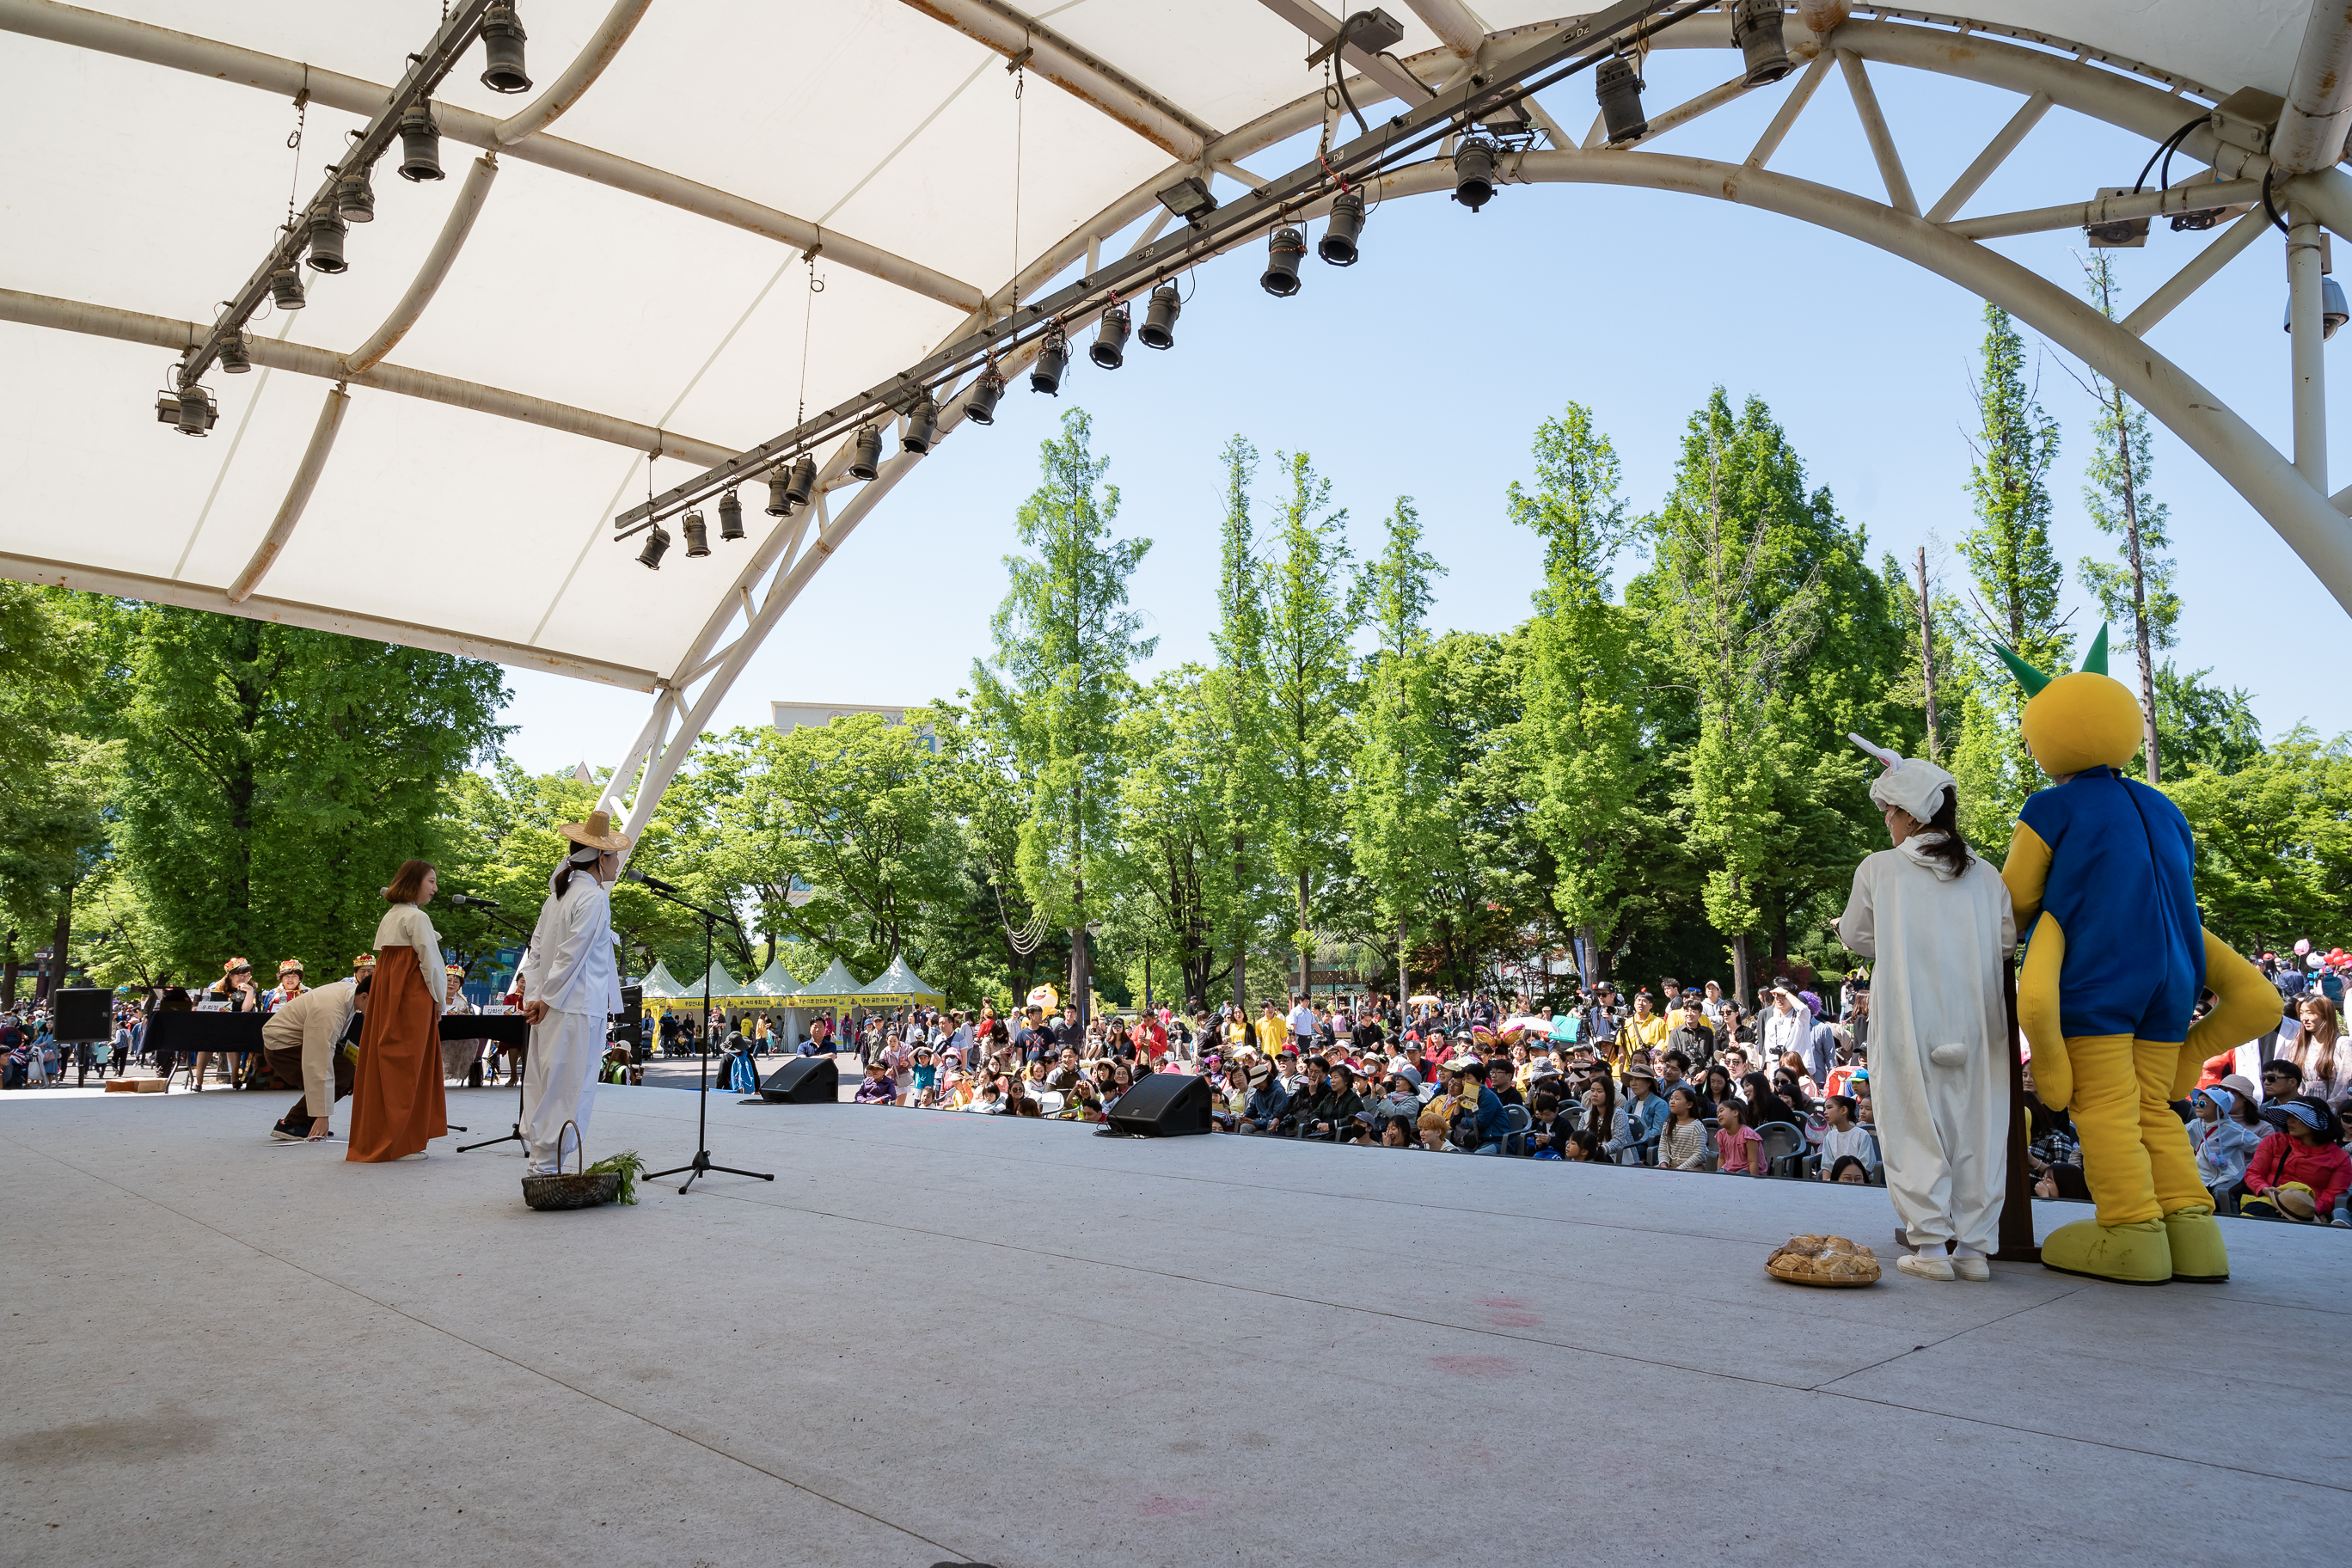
(396, 1102)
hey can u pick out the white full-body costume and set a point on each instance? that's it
(1938, 1032)
(570, 967)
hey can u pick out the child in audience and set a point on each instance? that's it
(1738, 1151)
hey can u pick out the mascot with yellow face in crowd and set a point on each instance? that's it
(2100, 871)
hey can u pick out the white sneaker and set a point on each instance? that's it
(1926, 1266)
(1970, 1268)
(418, 1155)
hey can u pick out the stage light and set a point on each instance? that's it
(657, 545)
(1158, 330)
(803, 481)
(194, 411)
(1045, 375)
(922, 425)
(866, 460)
(980, 403)
(420, 143)
(1619, 85)
(286, 289)
(502, 40)
(233, 357)
(1284, 248)
(1337, 245)
(698, 535)
(1474, 172)
(2332, 313)
(1756, 28)
(778, 504)
(1189, 198)
(731, 517)
(325, 241)
(1109, 349)
(355, 198)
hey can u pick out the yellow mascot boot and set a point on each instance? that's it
(2128, 1254)
(2194, 1237)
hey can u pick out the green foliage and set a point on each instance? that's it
(2201, 725)
(1396, 803)
(2273, 841)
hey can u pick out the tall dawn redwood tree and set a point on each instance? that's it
(1064, 639)
(1237, 696)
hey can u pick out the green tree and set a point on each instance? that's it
(2273, 841)
(54, 789)
(1237, 690)
(1171, 864)
(1064, 641)
(2202, 724)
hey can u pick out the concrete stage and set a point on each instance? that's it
(941, 1338)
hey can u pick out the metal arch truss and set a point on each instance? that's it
(2289, 494)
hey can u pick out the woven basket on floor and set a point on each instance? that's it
(579, 1190)
(1786, 1265)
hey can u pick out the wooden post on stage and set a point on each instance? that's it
(2017, 1243)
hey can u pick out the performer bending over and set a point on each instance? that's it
(571, 987)
(1937, 922)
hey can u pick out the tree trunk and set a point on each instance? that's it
(1740, 986)
(1241, 933)
(1404, 978)
(1080, 973)
(1307, 950)
(1928, 652)
(2140, 595)
(8, 976)
(56, 978)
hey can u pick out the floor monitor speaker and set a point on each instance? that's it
(803, 1081)
(1162, 1105)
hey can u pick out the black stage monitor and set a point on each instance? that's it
(803, 1081)
(82, 1013)
(1162, 1105)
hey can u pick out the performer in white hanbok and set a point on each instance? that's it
(571, 986)
(1937, 922)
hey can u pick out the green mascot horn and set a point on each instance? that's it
(2029, 678)
(2095, 661)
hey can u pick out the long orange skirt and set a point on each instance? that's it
(396, 1102)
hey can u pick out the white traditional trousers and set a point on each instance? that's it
(558, 1084)
(1939, 1130)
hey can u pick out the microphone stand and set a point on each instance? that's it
(700, 1165)
(516, 1135)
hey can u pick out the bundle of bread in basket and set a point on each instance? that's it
(1823, 1260)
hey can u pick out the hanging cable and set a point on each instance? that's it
(294, 141)
(1020, 69)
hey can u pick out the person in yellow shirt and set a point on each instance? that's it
(1644, 1030)
(1271, 1029)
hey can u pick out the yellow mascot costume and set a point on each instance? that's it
(2118, 957)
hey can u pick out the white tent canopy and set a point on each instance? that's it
(898, 985)
(774, 981)
(660, 985)
(836, 987)
(624, 274)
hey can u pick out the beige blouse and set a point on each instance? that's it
(404, 925)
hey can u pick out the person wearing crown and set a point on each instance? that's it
(570, 985)
(2101, 874)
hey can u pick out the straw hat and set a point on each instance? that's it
(596, 833)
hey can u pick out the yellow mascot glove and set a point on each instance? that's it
(2037, 1014)
(2245, 1005)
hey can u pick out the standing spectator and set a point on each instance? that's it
(1787, 1026)
(1693, 1036)
(1712, 1003)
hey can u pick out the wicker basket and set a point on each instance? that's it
(1783, 1266)
(579, 1190)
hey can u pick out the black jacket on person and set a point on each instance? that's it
(1340, 1108)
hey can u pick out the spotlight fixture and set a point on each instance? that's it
(802, 485)
(731, 517)
(778, 504)
(2117, 233)
(922, 427)
(286, 289)
(1158, 329)
(233, 357)
(1285, 250)
(1045, 375)
(420, 143)
(190, 410)
(2332, 313)
(1618, 85)
(1337, 245)
(327, 232)
(1189, 198)
(1109, 349)
(866, 458)
(1474, 172)
(502, 38)
(656, 546)
(980, 403)
(698, 535)
(355, 198)
(1756, 28)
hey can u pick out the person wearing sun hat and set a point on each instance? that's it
(570, 985)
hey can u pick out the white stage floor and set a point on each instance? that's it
(941, 1338)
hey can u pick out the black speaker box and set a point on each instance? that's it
(803, 1081)
(82, 1013)
(1162, 1105)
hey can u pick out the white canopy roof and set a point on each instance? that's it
(660, 985)
(900, 983)
(774, 981)
(835, 987)
(722, 984)
(633, 279)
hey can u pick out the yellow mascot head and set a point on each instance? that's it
(2085, 720)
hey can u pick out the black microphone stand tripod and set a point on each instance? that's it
(516, 1135)
(700, 1165)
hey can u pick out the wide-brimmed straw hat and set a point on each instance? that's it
(596, 833)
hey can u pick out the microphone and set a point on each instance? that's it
(655, 883)
(467, 901)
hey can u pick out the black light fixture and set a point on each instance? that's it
(656, 546)
(420, 143)
(1045, 375)
(1285, 250)
(867, 453)
(286, 289)
(779, 504)
(803, 481)
(731, 517)
(922, 426)
(197, 411)
(698, 535)
(1337, 245)
(1189, 198)
(1618, 85)
(233, 357)
(1109, 349)
(327, 232)
(980, 403)
(1756, 28)
(355, 197)
(1474, 172)
(502, 39)
(1158, 329)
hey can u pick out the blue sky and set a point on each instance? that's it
(1425, 370)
